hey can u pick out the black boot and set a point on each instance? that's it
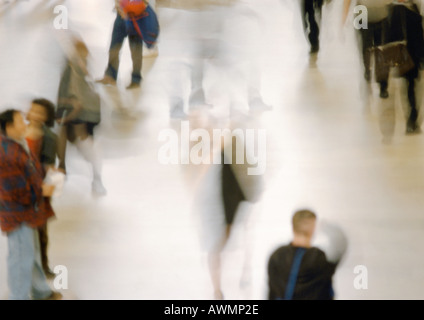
(412, 127)
(384, 94)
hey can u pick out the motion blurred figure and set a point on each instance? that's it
(375, 34)
(406, 24)
(42, 142)
(224, 195)
(22, 210)
(299, 271)
(119, 33)
(78, 113)
(311, 18)
(244, 28)
(220, 45)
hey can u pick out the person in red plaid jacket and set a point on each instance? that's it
(22, 210)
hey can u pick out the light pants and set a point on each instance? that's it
(88, 150)
(26, 277)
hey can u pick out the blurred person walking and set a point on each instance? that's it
(122, 29)
(299, 271)
(22, 210)
(223, 35)
(42, 142)
(311, 11)
(79, 112)
(223, 198)
(202, 19)
(373, 35)
(406, 24)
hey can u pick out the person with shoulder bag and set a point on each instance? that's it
(406, 25)
(373, 36)
(127, 24)
(79, 121)
(298, 270)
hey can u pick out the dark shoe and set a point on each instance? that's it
(412, 128)
(49, 273)
(384, 94)
(133, 85)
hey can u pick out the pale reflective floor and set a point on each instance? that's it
(325, 151)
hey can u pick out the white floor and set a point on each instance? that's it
(325, 151)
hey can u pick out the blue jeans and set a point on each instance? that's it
(119, 34)
(26, 277)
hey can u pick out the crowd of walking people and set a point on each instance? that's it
(33, 144)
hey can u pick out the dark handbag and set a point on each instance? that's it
(393, 55)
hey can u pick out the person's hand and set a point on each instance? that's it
(62, 121)
(48, 190)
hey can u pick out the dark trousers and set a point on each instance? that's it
(412, 99)
(119, 34)
(311, 9)
(44, 241)
(375, 35)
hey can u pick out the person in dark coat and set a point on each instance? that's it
(314, 271)
(372, 36)
(406, 24)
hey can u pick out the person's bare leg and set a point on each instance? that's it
(85, 145)
(214, 262)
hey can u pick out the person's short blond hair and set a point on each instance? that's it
(299, 219)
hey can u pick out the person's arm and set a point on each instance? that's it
(76, 109)
(119, 10)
